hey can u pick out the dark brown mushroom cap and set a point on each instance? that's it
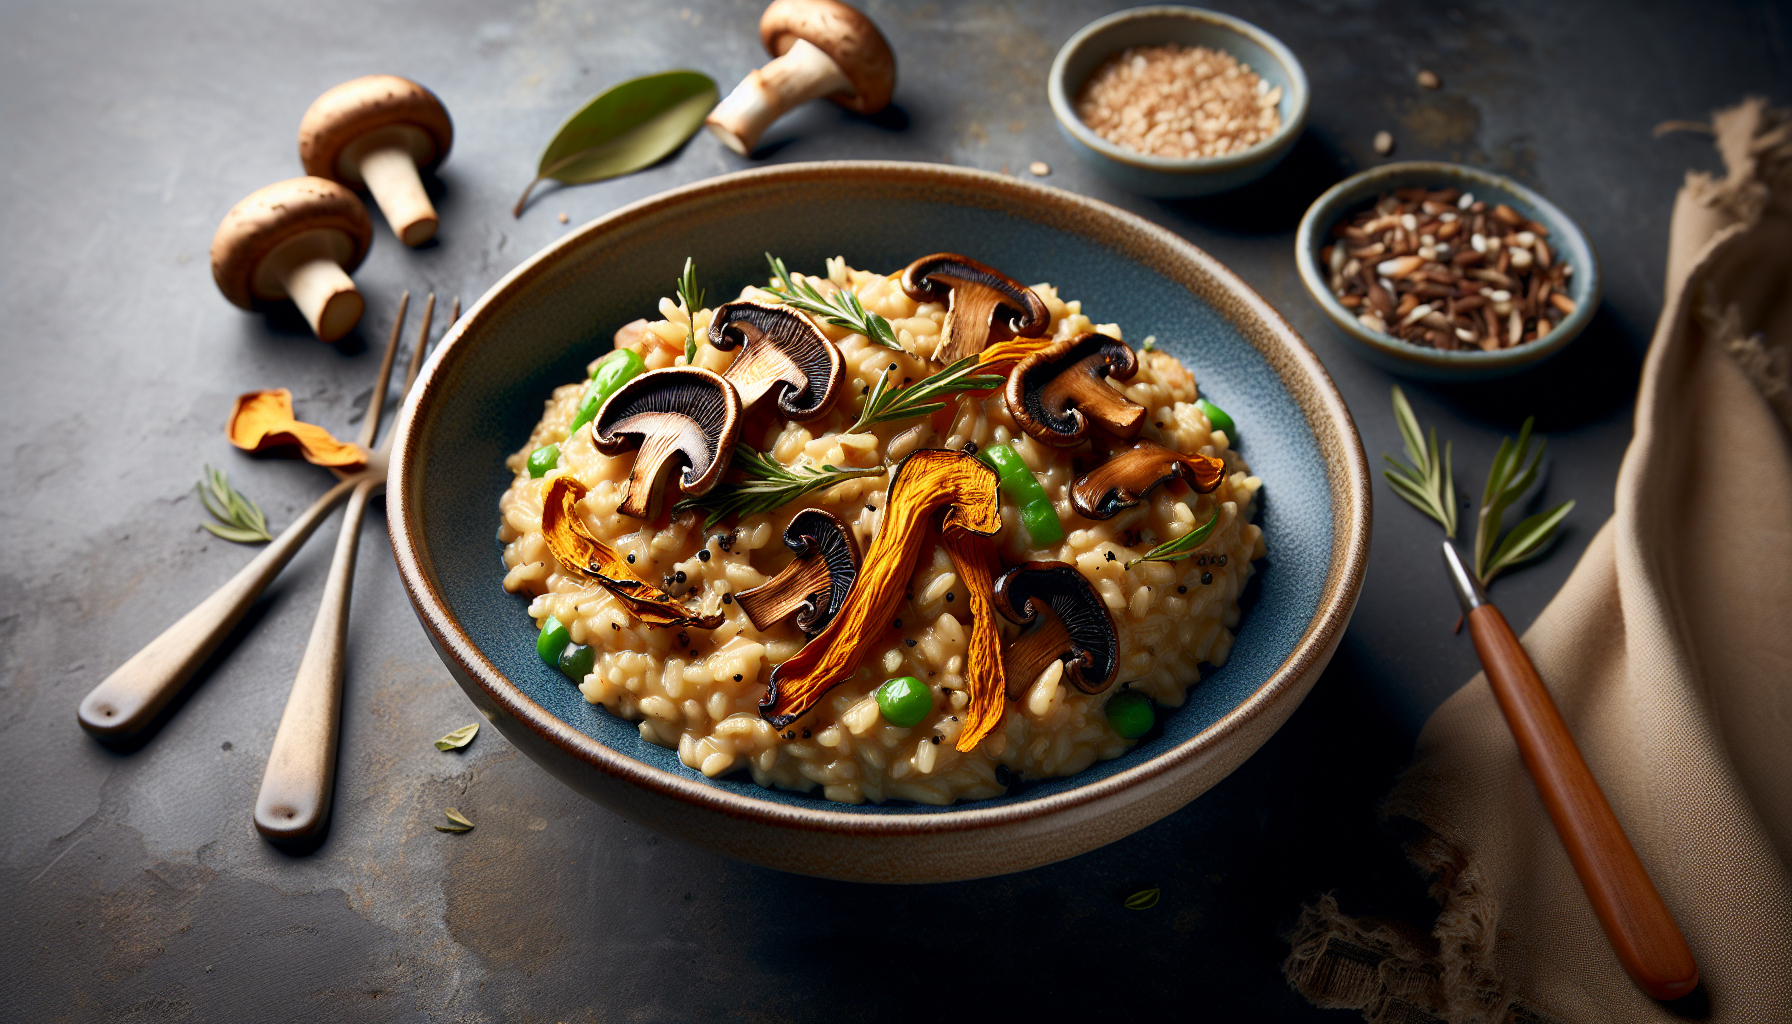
(982, 303)
(269, 216)
(781, 351)
(814, 585)
(1126, 477)
(1073, 624)
(1059, 392)
(681, 416)
(354, 108)
(846, 36)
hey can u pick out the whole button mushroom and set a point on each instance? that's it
(377, 131)
(296, 239)
(822, 48)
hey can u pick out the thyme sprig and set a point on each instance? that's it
(1183, 546)
(691, 298)
(841, 309)
(1507, 480)
(884, 405)
(242, 520)
(1429, 484)
(769, 485)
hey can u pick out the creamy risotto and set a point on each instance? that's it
(1024, 538)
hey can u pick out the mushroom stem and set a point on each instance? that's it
(386, 159)
(1029, 654)
(310, 275)
(804, 73)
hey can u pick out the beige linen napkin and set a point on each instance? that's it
(1669, 652)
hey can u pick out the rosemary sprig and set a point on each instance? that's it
(1429, 484)
(691, 298)
(1513, 472)
(841, 309)
(884, 405)
(769, 485)
(242, 519)
(1183, 546)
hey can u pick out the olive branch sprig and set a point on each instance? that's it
(1429, 486)
(922, 398)
(691, 298)
(841, 309)
(241, 519)
(769, 485)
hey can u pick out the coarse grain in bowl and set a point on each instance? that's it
(483, 389)
(1352, 194)
(1169, 177)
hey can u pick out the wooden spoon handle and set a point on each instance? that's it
(294, 805)
(1637, 923)
(129, 699)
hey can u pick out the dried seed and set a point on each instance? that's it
(1429, 80)
(1384, 143)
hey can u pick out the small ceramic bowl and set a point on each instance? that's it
(1164, 177)
(482, 390)
(1351, 195)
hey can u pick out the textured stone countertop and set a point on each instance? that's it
(134, 885)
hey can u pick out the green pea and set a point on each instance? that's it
(613, 371)
(543, 459)
(1217, 416)
(1037, 513)
(1130, 714)
(577, 660)
(904, 701)
(553, 639)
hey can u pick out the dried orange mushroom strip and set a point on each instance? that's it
(579, 552)
(974, 559)
(931, 486)
(263, 419)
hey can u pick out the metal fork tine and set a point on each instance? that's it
(370, 426)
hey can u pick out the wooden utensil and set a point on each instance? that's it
(129, 699)
(296, 787)
(1637, 923)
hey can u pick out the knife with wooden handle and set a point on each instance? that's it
(1641, 930)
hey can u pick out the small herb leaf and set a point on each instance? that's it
(1429, 483)
(769, 485)
(842, 308)
(1527, 540)
(458, 818)
(627, 127)
(1183, 546)
(452, 828)
(691, 298)
(458, 738)
(241, 519)
(1144, 899)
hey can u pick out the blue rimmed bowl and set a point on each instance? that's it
(1167, 177)
(482, 390)
(1353, 194)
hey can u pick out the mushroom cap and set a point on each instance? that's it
(696, 406)
(356, 107)
(936, 277)
(1046, 390)
(269, 216)
(844, 34)
(783, 352)
(1022, 590)
(813, 587)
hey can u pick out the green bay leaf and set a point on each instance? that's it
(458, 738)
(627, 127)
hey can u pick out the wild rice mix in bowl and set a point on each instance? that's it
(896, 537)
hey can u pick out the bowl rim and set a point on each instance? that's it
(1331, 206)
(1058, 93)
(1349, 485)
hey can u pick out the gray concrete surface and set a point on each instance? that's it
(134, 885)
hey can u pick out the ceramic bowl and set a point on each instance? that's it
(482, 391)
(1351, 195)
(1165, 177)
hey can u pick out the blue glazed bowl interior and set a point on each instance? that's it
(561, 311)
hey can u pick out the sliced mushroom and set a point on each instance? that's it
(782, 352)
(815, 584)
(982, 304)
(296, 239)
(682, 416)
(822, 48)
(1070, 624)
(1127, 476)
(377, 131)
(1059, 392)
